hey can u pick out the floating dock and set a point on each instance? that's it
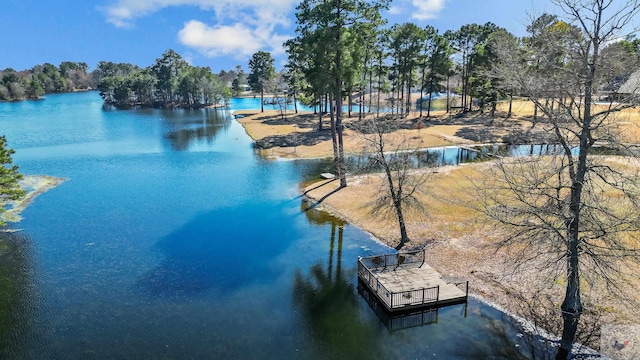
(404, 281)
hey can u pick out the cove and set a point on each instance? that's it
(173, 239)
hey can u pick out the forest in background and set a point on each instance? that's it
(45, 79)
(169, 82)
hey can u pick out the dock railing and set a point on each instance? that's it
(372, 282)
(392, 261)
(394, 300)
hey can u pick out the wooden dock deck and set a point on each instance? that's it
(404, 281)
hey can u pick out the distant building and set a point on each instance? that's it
(631, 88)
(243, 88)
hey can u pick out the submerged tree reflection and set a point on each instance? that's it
(328, 302)
(503, 337)
(189, 126)
(16, 291)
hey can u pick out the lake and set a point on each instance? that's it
(173, 239)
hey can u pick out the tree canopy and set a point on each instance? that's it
(169, 82)
(45, 78)
(262, 73)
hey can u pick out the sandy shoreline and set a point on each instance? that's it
(34, 185)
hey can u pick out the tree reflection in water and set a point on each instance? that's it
(328, 303)
(190, 126)
(341, 328)
(16, 291)
(505, 338)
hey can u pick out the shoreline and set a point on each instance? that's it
(33, 185)
(527, 325)
(295, 136)
(458, 242)
(491, 288)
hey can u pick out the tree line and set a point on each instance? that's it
(395, 61)
(169, 82)
(45, 78)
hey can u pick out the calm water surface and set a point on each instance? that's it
(172, 239)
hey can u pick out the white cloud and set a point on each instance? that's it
(427, 9)
(395, 10)
(240, 27)
(219, 40)
(124, 12)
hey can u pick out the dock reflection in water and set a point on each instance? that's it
(404, 320)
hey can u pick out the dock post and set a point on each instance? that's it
(423, 289)
(438, 294)
(467, 290)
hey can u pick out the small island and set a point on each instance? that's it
(169, 83)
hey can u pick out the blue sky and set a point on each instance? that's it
(216, 33)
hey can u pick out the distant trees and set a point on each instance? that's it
(484, 85)
(75, 75)
(12, 87)
(41, 79)
(238, 82)
(329, 50)
(467, 41)
(262, 73)
(435, 65)
(168, 70)
(406, 46)
(9, 177)
(169, 82)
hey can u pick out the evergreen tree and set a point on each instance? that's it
(329, 39)
(262, 73)
(9, 177)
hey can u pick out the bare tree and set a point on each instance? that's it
(395, 159)
(572, 208)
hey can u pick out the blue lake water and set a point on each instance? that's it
(253, 103)
(172, 239)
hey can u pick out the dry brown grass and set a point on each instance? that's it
(628, 120)
(459, 240)
(297, 136)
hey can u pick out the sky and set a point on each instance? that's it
(216, 33)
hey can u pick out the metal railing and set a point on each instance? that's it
(415, 297)
(392, 261)
(400, 299)
(372, 281)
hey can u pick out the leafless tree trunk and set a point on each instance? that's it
(579, 210)
(402, 182)
(320, 127)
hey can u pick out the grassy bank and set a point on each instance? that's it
(458, 239)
